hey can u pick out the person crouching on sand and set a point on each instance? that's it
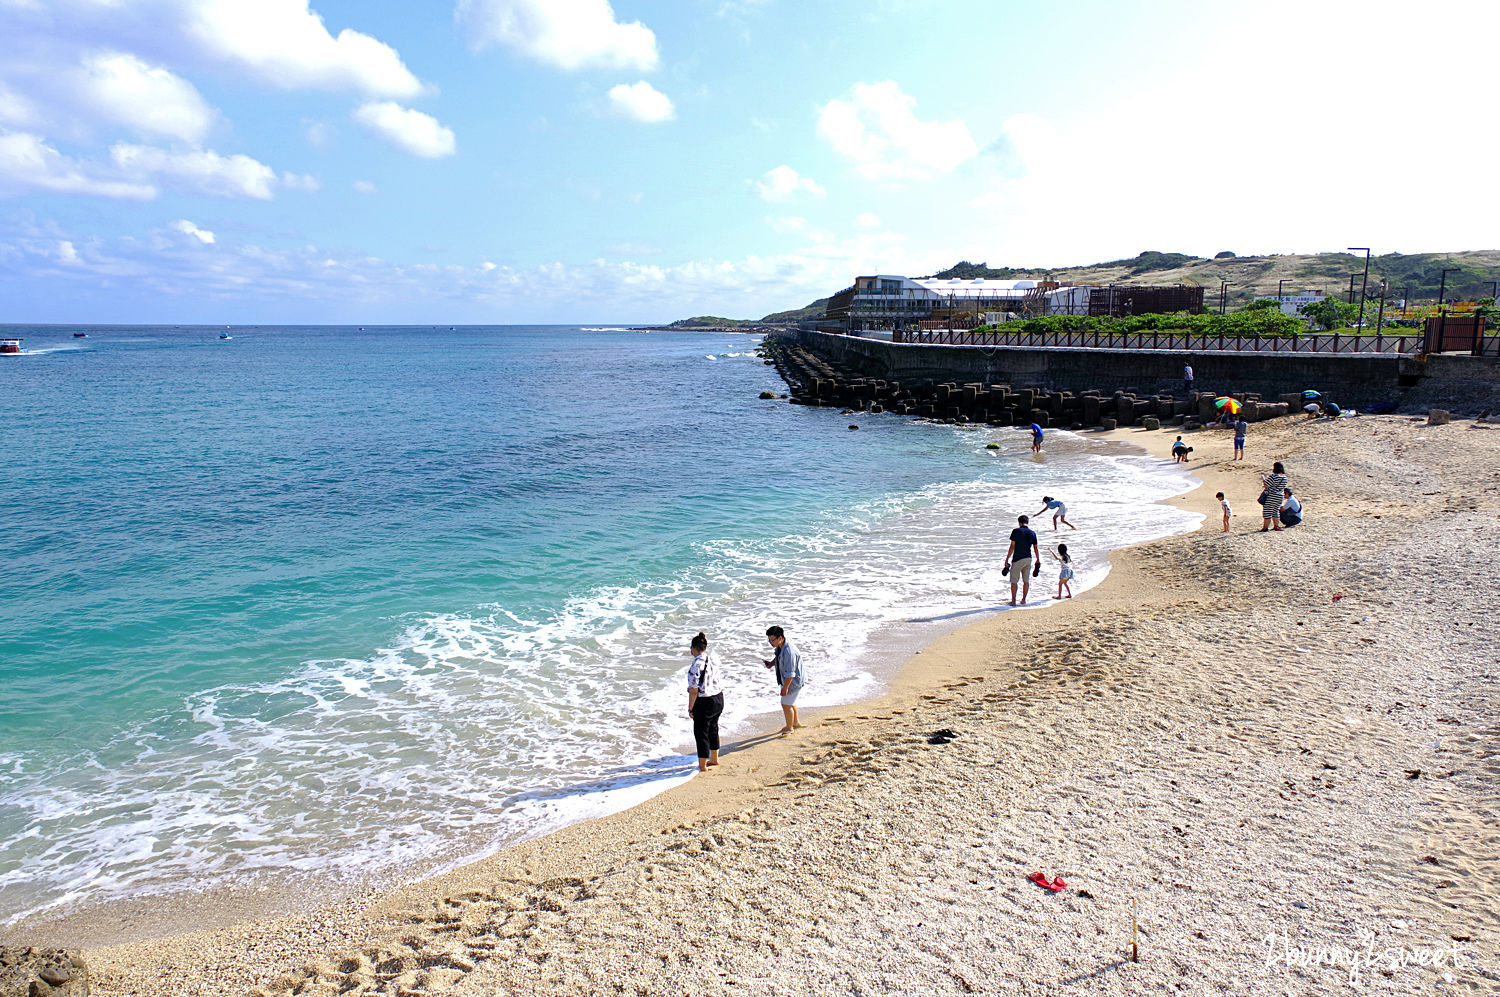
(1059, 511)
(789, 676)
(705, 701)
(1064, 574)
(1023, 545)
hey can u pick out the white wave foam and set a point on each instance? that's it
(475, 729)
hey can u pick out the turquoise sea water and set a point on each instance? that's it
(335, 601)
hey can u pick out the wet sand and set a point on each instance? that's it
(1261, 776)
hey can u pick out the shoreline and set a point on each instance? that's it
(1236, 810)
(275, 895)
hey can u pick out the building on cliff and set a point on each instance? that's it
(890, 301)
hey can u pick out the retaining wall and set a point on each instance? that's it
(1350, 379)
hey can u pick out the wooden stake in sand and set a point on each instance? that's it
(1135, 955)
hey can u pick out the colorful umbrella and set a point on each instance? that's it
(1310, 395)
(1227, 403)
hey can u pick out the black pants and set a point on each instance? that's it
(706, 723)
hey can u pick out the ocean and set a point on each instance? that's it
(336, 603)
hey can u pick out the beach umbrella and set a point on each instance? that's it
(1227, 403)
(1311, 395)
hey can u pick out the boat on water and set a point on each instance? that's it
(80, 335)
(225, 335)
(10, 346)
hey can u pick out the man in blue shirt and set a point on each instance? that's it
(1291, 510)
(1019, 558)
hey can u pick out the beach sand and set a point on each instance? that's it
(1207, 745)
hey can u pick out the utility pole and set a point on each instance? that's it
(1442, 311)
(1380, 316)
(1405, 299)
(1223, 294)
(1351, 287)
(1360, 325)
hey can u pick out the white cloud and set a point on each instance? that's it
(419, 134)
(121, 88)
(641, 102)
(363, 187)
(27, 162)
(301, 181)
(67, 254)
(285, 44)
(788, 224)
(200, 171)
(188, 228)
(867, 220)
(877, 128)
(569, 34)
(16, 110)
(781, 183)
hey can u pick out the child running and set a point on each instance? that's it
(1224, 504)
(1065, 576)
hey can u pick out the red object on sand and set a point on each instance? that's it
(1055, 885)
(1337, 597)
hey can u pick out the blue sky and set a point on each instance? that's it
(512, 161)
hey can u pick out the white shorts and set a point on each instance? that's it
(790, 699)
(1060, 510)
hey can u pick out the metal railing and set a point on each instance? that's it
(1316, 342)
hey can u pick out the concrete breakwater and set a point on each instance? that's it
(815, 379)
(1351, 379)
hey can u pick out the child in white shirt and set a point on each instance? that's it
(1224, 504)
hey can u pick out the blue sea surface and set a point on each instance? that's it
(335, 600)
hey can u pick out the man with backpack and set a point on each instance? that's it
(790, 677)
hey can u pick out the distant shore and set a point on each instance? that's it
(1208, 740)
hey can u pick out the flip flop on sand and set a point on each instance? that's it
(1055, 885)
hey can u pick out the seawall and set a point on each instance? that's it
(1351, 379)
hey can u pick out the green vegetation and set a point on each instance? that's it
(715, 320)
(811, 311)
(1251, 322)
(1331, 313)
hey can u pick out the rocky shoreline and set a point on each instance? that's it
(814, 380)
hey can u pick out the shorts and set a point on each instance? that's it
(1065, 575)
(1239, 443)
(1020, 571)
(1059, 510)
(790, 699)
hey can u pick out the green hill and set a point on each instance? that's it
(1415, 276)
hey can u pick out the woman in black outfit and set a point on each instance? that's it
(705, 702)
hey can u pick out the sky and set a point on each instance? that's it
(631, 161)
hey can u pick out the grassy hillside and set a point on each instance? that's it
(1256, 276)
(1249, 277)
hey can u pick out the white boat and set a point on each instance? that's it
(10, 346)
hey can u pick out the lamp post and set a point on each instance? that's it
(1443, 312)
(1443, 285)
(1380, 317)
(1351, 287)
(1493, 284)
(1279, 302)
(1223, 294)
(1405, 299)
(1363, 284)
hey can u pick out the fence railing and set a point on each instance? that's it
(1316, 342)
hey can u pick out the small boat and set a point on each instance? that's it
(225, 335)
(80, 335)
(10, 346)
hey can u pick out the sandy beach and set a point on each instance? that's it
(1266, 762)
